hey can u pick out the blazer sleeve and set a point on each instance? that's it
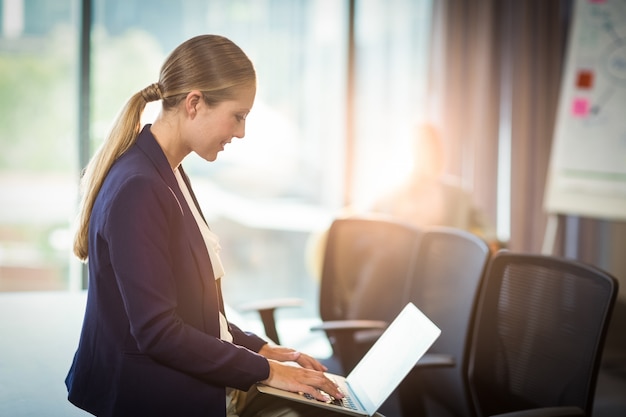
(246, 339)
(139, 231)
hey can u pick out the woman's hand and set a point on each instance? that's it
(302, 380)
(308, 378)
(283, 354)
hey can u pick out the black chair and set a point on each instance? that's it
(447, 275)
(366, 265)
(365, 275)
(538, 335)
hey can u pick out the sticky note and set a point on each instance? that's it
(584, 79)
(580, 107)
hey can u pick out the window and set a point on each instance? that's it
(265, 193)
(392, 41)
(38, 122)
(266, 196)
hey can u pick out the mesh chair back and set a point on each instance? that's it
(446, 278)
(445, 285)
(539, 332)
(366, 264)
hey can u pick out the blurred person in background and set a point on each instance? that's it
(428, 197)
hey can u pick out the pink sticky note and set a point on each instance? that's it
(580, 107)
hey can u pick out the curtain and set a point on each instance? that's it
(463, 93)
(535, 32)
(494, 88)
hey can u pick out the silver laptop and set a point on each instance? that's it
(381, 370)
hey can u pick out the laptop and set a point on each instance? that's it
(382, 368)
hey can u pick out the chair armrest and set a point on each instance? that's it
(350, 325)
(430, 360)
(353, 331)
(565, 411)
(271, 304)
(347, 337)
(266, 309)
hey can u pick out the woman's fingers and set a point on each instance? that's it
(307, 361)
(302, 380)
(284, 354)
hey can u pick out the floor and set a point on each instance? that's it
(40, 331)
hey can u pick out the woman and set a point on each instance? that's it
(155, 341)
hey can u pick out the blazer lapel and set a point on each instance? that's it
(151, 148)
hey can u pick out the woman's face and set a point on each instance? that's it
(211, 128)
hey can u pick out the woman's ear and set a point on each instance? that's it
(191, 103)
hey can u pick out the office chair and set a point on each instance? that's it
(365, 274)
(538, 335)
(447, 275)
(363, 284)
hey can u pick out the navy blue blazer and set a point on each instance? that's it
(150, 342)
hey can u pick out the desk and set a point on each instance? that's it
(39, 333)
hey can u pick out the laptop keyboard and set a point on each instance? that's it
(345, 402)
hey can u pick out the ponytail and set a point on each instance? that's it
(121, 137)
(210, 63)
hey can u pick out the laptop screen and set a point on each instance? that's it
(391, 358)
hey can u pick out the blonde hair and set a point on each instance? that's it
(211, 64)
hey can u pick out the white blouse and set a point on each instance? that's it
(213, 247)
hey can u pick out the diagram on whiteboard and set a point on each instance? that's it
(588, 162)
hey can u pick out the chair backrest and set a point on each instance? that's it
(540, 327)
(366, 264)
(447, 275)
